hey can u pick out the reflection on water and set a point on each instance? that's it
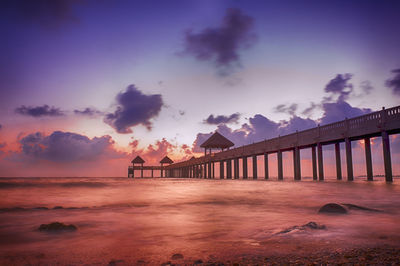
(151, 219)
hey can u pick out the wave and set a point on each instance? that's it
(6, 185)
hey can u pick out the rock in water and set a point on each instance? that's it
(57, 227)
(177, 256)
(333, 208)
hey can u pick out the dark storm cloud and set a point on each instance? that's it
(340, 86)
(47, 13)
(39, 111)
(67, 147)
(88, 112)
(221, 44)
(394, 83)
(289, 109)
(222, 119)
(134, 108)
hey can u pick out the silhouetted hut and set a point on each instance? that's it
(165, 160)
(137, 160)
(216, 141)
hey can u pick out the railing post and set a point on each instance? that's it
(254, 166)
(338, 161)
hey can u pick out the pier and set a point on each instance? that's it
(377, 124)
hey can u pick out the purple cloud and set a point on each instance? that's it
(338, 111)
(134, 108)
(340, 86)
(67, 147)
(221, 44)
(289, 109)
(39, 111)
(88, 112)
(222, 119)
(394, 83)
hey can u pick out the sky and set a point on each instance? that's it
(87, 85)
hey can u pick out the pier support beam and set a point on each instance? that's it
(386, 157)
(221, 170)
(338, 161)
(229, 169)
(349, 160)
(368, 159)
(236, 168)
(314, 162)
(320, 162)
(280, 166)
(296, 163)
(244, 159)
(266, 172)
(209, 170)
(254, 166)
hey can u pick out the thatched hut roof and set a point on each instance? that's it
(217, 141)
(138, 159)
(166, 159)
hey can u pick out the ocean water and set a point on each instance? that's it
(149, 220)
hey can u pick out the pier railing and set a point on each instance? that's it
(368, 125)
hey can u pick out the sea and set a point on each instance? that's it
(148, 221)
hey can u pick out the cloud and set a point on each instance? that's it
(340, 86)
(309, 110)
(289, 109)
(394, 83)
(39, 111)
(134, 108)
(340, 110)
(221, 44)
(1, 126)
(67, 147)
(222, 119)
(88, 112)
(47, 13)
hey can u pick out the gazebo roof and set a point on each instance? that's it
(217, 141)
(166, 159)
(138, 159)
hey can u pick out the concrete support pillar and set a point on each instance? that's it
(296, 163)
(141, 171)
(205, 171)
(280, 165)
(229, 169)
(213, 170)
(320, 162)
(209, 170)
(314, 162)
(236, 168)
(254, 166)
(386, 157)
(368, 159)
(349, 160)
(244, 159)
(338, 161)
(221, 170)
(266, 171)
